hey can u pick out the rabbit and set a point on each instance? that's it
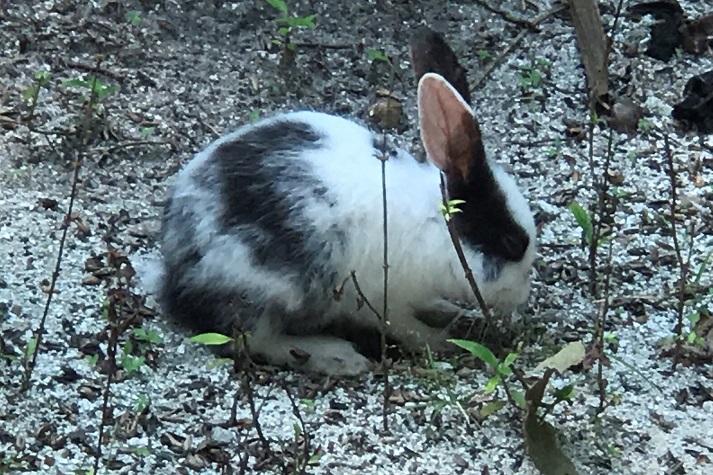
(263, 225)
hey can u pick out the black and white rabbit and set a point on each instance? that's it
(266, 222)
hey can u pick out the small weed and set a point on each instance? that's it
(150, 336)
(501, 370)
(553, 151)
(484, 54)
(288, 24)
(373, 54)
(91, 360)
(530, 77)
(451, 208)
(130, 362)
(583, 220)
(254, 115)
(143, 402)
(134, 17)
(645, 125)
(94, 88)
(32, 93)
(146, 131)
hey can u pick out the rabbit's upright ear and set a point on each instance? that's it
(449, 131)
(431, 54)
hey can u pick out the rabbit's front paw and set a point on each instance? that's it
(330, 356)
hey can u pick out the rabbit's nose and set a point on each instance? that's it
(515, 245)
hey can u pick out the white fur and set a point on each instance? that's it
(423, 266)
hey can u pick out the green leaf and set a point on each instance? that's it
(92, 360)
(211, 339)
(131, 363)
(279, 5)
(492, 383)
(30, 92)
(565, 393)
(76, 83)
(478, 350)
(217, 362)
(492, 408)
(142, 402)
(519, 398)
(376, 55)
(31, 347)
(583, 220)
(42, 76)
(147, 336)
(283, 31)
(146, 131)
(305, 22)
(510, 358)
(133, 17)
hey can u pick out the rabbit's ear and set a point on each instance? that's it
(431, 54)
(449, 131)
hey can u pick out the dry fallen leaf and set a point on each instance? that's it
(570, 355)
(386, 110)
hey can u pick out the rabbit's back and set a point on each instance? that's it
(272, 213)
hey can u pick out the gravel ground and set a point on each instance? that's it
(186, 72)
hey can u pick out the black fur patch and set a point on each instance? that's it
(250, 168)
(485, 221)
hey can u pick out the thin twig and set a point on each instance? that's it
(600, 326)
(84, 131)
(489, 68)
(323, 45)
(363, 297)
(303, 428)
(683, 268)
(450, 223)
(113, 322)
(507, 16)
(617, 15)
(243, 366)
(96, 70)
(385, 310)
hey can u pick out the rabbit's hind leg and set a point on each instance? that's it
(309, 353)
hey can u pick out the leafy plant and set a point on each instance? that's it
(374, 54)
(213, 339)
(146, 131)
(484, 54)
(501, 370)
(150, 336)
(134, 17)
(32, 93)
(142, 402)
(530, 77)
(287, 24)
(130, 362)
(583, 220)
(94, 88)
(645, 125)
(450, 208)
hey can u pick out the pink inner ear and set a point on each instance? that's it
(441, 110)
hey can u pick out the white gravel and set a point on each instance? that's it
(662, 422)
